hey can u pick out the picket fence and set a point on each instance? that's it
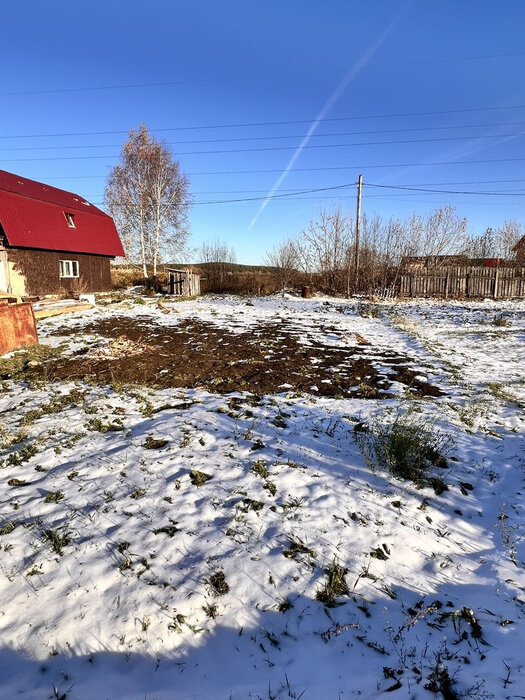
(469, 282)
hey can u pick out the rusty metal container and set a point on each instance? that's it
(17, 327)
(306, 292)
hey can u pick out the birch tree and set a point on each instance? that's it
(148, 197)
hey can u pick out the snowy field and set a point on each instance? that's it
(181, 537)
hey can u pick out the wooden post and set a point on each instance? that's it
(446, 283)
(357, 227)
(496, 282)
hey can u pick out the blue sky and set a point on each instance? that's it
(421, 94)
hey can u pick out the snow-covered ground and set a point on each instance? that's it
(178, 544)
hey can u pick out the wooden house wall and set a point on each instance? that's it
(38, 272)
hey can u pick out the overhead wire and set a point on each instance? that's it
(271, 123)
(274, 138)
(465, 192)
(169, 83)
(356, 168)
(298, 193)
(282, 148)
(425, 184)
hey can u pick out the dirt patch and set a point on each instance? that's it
(268, 358)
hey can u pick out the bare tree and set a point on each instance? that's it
(148, 196)
(371, 260)
(484, 246)
(220, 260)
(327, 249)
(440, 233)
(285, 259)
(508, 235)
(494, 243)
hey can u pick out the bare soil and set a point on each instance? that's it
(268, 358)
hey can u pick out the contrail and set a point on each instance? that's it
(334, 97)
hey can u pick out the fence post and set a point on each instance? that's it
(496, 282)
(467, 285)
(446, 283)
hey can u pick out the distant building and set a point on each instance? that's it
(419, 262)
(422, 262)
(52, 241)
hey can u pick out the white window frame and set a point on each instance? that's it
(70, 218)
(67, 269)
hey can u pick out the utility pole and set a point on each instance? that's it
(357, 227)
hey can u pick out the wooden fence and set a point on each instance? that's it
(469, 282)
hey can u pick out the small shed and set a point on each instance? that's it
(184, 283)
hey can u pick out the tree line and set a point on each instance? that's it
(326, 252)
(148, 196)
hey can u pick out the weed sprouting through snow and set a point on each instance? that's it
(151, 443)
(57, 538)
(199, 478)
(335, 586)
(217, 582)
(407, 448)
(295, 548)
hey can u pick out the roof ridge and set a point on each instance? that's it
(80, 202)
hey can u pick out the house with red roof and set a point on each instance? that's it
(52, 241)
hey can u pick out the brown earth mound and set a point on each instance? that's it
(268, 358)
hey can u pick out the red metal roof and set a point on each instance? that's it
(33, 215)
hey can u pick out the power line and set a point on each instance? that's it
(271, 123)
(170, 83)
(418, 184)
(298, 193)
(92, 197)
(318, 169)
(467, 192)
(359, 167)
(413, 185)
(275, 196)
(280, 196)
(274, 138)
(282, 148)
(121, 86)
